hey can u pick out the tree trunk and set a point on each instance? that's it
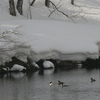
(72, 2)
(31, 4)
(12, 8)
(19, 6)
(47, 3)
(30, 8)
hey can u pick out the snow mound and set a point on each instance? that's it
(17, 67)
(48, 64)
(49, 40)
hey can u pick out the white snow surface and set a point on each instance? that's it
(56, 37)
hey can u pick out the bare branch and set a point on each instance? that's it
(53, 11)
(31, 4)
(56, 8)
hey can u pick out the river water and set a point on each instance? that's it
(35, 86)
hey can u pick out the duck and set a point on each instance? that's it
(92, 80)
(51, 84)
(59, 82)
(64, 85)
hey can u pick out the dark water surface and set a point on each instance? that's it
(35, 86)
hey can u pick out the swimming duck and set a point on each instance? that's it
(92, 80)
(59, 82)
(64, 85)
(51, 84)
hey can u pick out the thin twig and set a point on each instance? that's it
(56, 8)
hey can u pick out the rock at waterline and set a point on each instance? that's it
(48, 64)
(35, 65)
(17, 67)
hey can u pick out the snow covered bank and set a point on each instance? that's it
(52, 40)
(46, 38)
